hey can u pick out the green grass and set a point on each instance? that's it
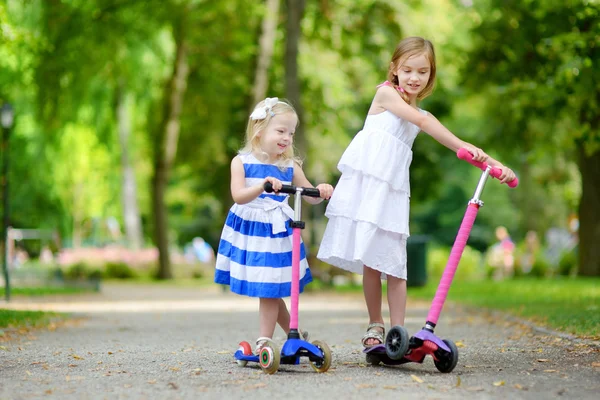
(32, 319)
(568, 305)
(42, 291)
(25, 319)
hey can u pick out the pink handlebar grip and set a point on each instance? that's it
(464, 154)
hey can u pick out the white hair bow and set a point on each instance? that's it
(261, 112)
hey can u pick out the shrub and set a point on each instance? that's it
(468, 268)
(541, 267)
(118, 270)
(568, 263)
(77, 271)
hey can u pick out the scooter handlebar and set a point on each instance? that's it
(291, 189)
(464, 154)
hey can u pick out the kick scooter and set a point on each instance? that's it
(398, 348)
(318, 352)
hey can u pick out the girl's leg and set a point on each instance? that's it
(283, 317)
(396, 294)
(372, 292)
(268, 312)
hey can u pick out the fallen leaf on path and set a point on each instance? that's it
(542, 360)
(256, 386)
(518, 386)
(390, 387)
(549, 370)
(224, 352)
(173, 385)
(75, 356)
(458, 381)
(28, 373)
(48, 391)
(110, 353)
(459, 344)
(347, 378)
(365, 386)
(174, 369)
(596, 364)
(72, 365)
(152, 381)
(499, 383)
(475, 389)
(3, 348)
(417, 379)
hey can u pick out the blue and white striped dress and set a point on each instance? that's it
(255, 251)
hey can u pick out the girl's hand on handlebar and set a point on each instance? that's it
(507, 174)
(275, 182)
(478, 154)
(326, 190)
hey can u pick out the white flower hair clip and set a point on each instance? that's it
(261, 112)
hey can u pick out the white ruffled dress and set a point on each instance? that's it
(369, 210)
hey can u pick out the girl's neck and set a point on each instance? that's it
(264, 157)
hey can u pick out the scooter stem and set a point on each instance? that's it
(457, 249)
(295, 292)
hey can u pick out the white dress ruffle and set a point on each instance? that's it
(369, 210)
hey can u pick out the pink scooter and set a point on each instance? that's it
(398, 349)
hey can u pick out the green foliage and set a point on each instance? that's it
(514, 77)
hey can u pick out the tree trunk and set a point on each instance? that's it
(267, 43)
(295, 10)
(589, 213)
(131, 213)
(166, 148)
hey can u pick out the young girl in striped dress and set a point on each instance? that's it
(255, 251)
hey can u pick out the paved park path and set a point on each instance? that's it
(162, 342)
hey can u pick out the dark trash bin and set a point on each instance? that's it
(416, 254)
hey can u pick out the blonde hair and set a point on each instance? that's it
(255, 126)
(408, 47)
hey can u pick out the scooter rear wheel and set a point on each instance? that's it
(373, 360)
(246, 350)
(324, 364)
(396, 342)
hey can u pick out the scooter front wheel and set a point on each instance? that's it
(396, 342)
(269, 357)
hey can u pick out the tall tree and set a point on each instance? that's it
(167, 139)
(535, 61)
(131, 212)
(265, 55)
(295, 11)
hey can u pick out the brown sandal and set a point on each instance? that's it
(373, 333)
